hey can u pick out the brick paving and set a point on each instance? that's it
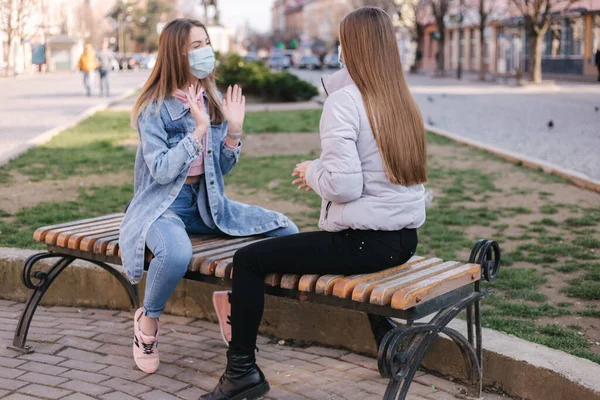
(85, 354)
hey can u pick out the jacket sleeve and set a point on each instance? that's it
(165, 164)
(337, 175)
(229, 157)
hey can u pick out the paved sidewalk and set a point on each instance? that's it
(33, 106)
(84, 354)
(512, 118)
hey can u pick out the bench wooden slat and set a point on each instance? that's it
(219, 243)
(290, 281)
(208, 245)
(432, 287)
(102, 243)
(40, 234)
(113, 248)
(326, 283)
(198, 239)
(52, 235)
(209, 265)
(273, 279)
(63, 239)
(308, 283)
(224, 268)
(86, 243)
(382, 294)
(362, 291)
(344, 287)
(199, 258)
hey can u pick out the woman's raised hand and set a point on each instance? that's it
(234, 108)
(198, 112)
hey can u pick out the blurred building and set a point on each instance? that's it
(321, 18)
(56, 29)
(294, 18)
(568, 46)
(278, 16)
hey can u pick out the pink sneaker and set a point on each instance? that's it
(223, 309)
(145, 348)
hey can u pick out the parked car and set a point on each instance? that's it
(148, 62)
(252, 56)
(124, 62)
(309, 62)
(332, 60)
(115, 66)
(137, 60)
(278, 62)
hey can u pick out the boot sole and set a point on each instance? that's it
(253, 393)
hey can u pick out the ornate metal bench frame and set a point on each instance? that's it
(401, 351)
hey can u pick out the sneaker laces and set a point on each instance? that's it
(148, 348)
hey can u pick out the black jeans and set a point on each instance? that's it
(346, 253)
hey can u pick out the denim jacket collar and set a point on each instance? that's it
(176, 108)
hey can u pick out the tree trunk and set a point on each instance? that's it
(9, 61)
(442, 60)
(481, 53)
(535, 56)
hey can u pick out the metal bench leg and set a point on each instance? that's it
(44, 280)
(403, 349)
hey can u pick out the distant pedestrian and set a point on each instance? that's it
(598, 62)
(106, 59)
(87, 64)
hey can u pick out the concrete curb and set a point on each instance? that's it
(574, 177)
(519, 368)
(46, 136)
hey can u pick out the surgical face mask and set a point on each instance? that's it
(341, 61)
(202, 61)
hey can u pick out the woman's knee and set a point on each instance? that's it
(246, 259)
(177, 258)
(290, 229)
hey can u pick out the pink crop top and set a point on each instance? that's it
(197, 167)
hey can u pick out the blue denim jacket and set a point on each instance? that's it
(164, 156)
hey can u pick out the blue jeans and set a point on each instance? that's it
(88, 82)
(104, 83)
(169, 242)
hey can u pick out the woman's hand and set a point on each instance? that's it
(234, 108)
(300, 172)
(199, 113)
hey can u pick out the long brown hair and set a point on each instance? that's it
(172, 71)
(371, 54)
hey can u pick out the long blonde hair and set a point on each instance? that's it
(371, 54)
(172, 71)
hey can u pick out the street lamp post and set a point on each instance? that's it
(460, 40)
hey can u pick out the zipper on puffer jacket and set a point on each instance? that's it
(327, 210)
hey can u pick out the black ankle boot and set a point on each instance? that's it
(380, 327)
(242, 380)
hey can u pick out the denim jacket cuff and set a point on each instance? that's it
(191, 145)
(234, 153)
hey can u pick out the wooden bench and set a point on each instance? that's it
(409, 292)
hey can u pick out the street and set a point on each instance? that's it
(30, 106)
(514, 119)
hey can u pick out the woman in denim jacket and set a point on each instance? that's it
(189, 139)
